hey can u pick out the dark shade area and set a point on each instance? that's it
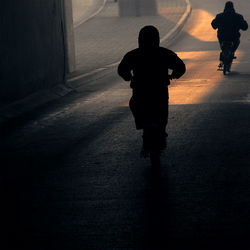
(31, 46)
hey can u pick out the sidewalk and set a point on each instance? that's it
(100, 44)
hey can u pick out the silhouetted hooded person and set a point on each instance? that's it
(149, 38)
(229, 23)
(147, 69)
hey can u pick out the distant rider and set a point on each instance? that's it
(229, 23)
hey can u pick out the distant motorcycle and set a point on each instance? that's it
(226, 56)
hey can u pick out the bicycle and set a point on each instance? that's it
(226, 57)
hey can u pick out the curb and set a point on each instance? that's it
(169, 37)
(178, 27)
(41, 98)
(84, 20)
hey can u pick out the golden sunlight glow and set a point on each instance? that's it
(200, 79)
(202, 30)
(201, 76)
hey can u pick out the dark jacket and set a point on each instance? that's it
(228, 24)
(149, 69)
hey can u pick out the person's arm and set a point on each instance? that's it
(243, 23)
(178, 67)
(124, 68)
(215, 22)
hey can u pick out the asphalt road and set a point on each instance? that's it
(74, 180)
(92, 49)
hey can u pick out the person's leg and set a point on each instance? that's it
(220, 58)
(236, 44)
(164, 121)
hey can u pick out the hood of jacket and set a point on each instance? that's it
(229, 7)
(149, 37)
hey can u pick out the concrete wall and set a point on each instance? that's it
(137, 8)
(32, 46)
(69, 36)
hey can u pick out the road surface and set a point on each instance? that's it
(73, 174)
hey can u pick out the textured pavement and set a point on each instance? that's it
(104, 39)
